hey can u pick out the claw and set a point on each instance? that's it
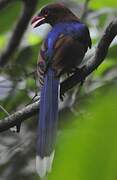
(62, 96)
(16, 129)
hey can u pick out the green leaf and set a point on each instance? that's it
(34, 39)
(87, 146)
(2, 41)
(44, 3)
(31, 83)
(97, 4)
(106, 65)
(113, 52)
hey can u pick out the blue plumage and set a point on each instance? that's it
(48, 115)
(49, 92)
(74, 29)
(62, 51)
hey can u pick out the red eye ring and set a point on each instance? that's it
(46, 13)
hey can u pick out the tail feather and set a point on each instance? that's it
(48, 117)
(44, 165)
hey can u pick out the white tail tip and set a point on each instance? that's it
(44, 165)
(13, 129)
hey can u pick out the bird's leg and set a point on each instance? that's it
(16, 128)
(69, 73)
(62, 96)
(79, 72)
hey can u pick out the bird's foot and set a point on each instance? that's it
(16, 129)
(80, 74)
(62, 96)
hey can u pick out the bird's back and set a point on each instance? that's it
(66, 45)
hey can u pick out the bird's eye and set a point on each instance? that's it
(46, 13)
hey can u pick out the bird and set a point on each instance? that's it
(61, 53)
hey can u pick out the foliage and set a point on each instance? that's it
(87, 145)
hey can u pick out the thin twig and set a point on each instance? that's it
(4, 110)
(85, 10)
(19, 116)
(22, 24)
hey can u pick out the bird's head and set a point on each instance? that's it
(52, 14)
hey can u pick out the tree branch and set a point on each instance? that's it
(19, 116)
(29, 8)
(92, 64)
(85, 10)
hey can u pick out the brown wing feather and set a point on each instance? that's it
(68, 54)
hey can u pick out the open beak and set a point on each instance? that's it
(37, 21)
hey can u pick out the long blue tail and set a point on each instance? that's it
(47, 127)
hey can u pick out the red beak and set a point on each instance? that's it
(37, 21)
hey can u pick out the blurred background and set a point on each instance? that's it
(86, 147)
